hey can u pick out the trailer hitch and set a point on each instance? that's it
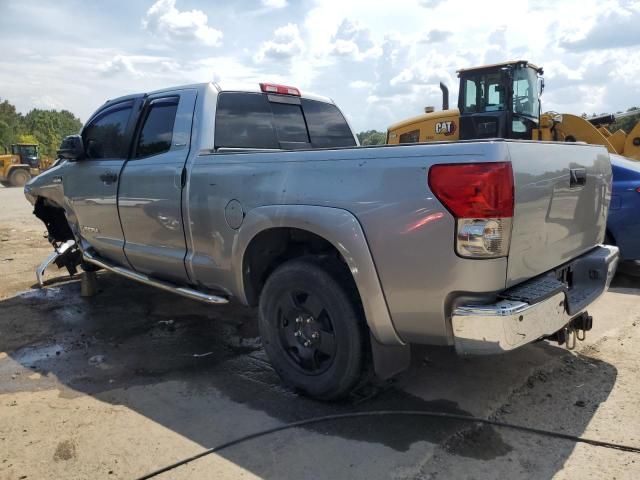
(573, 331)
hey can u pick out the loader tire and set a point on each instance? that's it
(19, 178)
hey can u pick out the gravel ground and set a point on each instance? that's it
(133, 379)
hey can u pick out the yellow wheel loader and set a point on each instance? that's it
(503, 101)
(17, 168)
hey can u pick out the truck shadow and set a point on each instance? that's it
(151, 351)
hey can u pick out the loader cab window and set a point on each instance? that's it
(27, 150)
(525, 92)
(470, 95)
(484, 92)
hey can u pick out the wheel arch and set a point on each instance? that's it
(329, 230)
(54, 218)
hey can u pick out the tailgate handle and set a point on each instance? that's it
(578, 177)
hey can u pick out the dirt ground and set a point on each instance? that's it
(133, 379)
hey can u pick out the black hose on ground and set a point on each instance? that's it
(380, 413)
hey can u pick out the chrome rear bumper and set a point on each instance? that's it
(508, 324)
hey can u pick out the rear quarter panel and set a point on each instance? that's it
(409, 233)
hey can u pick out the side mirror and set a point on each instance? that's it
(71, 148)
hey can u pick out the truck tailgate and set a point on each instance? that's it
(562, 194)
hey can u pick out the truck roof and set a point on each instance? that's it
(221, 87)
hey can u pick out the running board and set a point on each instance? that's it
(139, 277)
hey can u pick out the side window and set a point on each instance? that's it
(410, 137)
(327, 127)
(156, 135)
(244, 120)
(105, 136)
(470, 96)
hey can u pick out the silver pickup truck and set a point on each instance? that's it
(351, 253)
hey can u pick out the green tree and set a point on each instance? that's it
(372, 137)
(9, 123)
(44, 127)
(26, 138)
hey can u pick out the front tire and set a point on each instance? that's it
(312, 329)
(19, 178)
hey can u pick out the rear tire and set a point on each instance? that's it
(19, 178)
(312, 329)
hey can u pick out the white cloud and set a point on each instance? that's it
(118, 64)
(274, 3)
(163, 18)
(435, 36)
(286, 43)
(353, 40)
(360, 84)
(615, 29)
(380, 68)
(430, 3)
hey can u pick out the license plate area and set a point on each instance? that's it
(582, 281)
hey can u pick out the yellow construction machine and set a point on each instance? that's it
(503, 101)
(23, 163)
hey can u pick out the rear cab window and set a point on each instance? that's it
(268, 121)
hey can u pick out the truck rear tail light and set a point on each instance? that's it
(280, 89)
(638, 189)
(483, 237)
(480, 196)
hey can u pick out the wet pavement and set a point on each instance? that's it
(134, 378)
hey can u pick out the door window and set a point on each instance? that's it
(104, 137)
(156, 135)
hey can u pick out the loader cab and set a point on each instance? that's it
(500, 101)
(29, 154)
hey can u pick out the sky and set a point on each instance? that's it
(380, 61)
